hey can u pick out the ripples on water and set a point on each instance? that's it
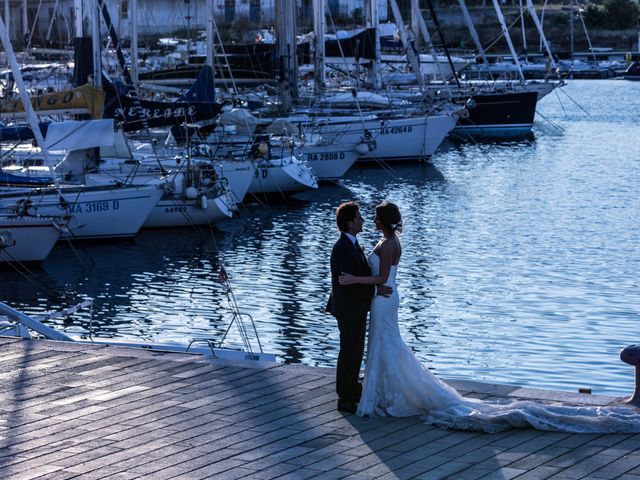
(520, 262)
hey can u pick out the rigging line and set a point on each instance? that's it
(75, 251)
(236, 313)
(501, 35)
(33, 27)
(342, 55)
(434, 17)
(226, 58)
(21, 269)
(574, 101)
(595, 58)
(561, 104)
(551, 122)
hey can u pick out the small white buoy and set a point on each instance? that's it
(191, 193)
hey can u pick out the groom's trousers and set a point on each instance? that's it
(352, 337)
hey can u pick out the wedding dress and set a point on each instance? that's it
(397, 384)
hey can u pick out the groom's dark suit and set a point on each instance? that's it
(350, 305)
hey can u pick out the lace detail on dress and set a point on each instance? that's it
(397, 384)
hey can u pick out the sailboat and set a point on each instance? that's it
(98, 212)
(28, 238)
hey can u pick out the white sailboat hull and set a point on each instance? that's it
(185, 213)
(329, 161)
(27, 239)
(102, 212)
(238, 174)
(408, 139)
(280, 178)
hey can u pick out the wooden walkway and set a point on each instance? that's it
(96, 412)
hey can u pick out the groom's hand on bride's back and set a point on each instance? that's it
(384, 290)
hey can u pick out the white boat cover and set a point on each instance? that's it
(78, 135)
(363, 98)
(241, 119)
(119, 149)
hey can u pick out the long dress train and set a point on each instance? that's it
(397, 384)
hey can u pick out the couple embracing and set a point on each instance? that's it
(396, 383)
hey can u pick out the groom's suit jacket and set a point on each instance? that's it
(349, 300)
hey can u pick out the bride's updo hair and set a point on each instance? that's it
(389, 216)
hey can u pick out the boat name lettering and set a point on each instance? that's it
(175, 210)
(396, 130)
(93, 207)
(155, 113)
(325, 156)
(65, 98)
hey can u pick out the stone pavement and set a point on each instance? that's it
(96, 412)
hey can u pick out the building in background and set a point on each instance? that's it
(54, 20)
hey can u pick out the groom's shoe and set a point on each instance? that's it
(347, 406)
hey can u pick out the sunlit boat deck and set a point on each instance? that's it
(94, 411)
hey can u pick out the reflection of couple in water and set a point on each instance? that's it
(396, 383)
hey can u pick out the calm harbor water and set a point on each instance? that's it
(521, 260)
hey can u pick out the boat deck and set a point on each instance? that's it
(92, 411)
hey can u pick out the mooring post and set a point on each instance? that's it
(631, 355)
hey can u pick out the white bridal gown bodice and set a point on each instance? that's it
(397, 384)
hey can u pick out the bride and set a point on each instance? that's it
(397, 384)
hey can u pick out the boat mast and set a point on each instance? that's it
(25, 23)
(319, 24)
(133, 6)
(7, 13)
(524, 32)
(422, 28)
(571, 14)
(543, 37)
(210, 33)
(26, 102)
(408, 48)
(436, 23)
(95, 44)
(53, 19)
(372, 20)
(287, 54)
(507, 37)
(474, 36)
(78, 16)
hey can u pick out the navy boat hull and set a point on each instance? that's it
(498, 115)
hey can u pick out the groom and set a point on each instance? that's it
(350, 304)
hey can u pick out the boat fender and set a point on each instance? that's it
(362, 148)
(263, 148)
(203, 203)
(178, 183)
(6, 240)
(191, 193)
